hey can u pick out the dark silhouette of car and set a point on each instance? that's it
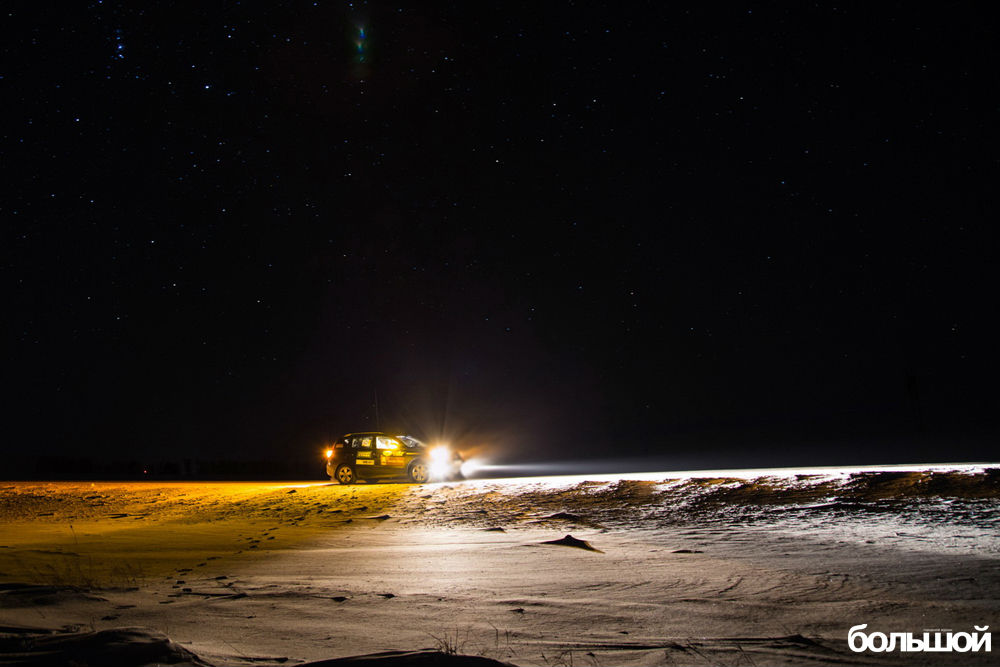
(373, 456)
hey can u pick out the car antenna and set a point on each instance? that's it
(378, 422)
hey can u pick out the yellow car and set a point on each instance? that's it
(374, 456)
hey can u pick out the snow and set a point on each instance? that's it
(732, 567)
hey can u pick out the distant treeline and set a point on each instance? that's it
(88, 468)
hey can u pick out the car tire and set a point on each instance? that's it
(345, 474)
(419, 472)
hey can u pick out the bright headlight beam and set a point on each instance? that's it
(536, 473)
(439, 454)
(439, 469)
(470, 467)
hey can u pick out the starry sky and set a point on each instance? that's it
(708, 235)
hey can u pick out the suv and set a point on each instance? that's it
(375, 456)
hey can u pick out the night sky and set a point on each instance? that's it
(711, 235)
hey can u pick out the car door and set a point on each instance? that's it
(391, 459)
(364, 448)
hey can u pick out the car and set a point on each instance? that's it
(373, 456)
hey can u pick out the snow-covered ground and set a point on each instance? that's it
(946, 508)
(701, 567)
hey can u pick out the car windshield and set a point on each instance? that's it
(410, 442)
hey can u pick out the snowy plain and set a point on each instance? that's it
(695, 567)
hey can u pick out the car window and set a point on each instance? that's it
(363, 443)
(387, 443)
(411, 442)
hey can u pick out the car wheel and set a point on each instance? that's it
(419, 472)
(345, 474)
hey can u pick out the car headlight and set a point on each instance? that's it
(329, 453)
(439, 454)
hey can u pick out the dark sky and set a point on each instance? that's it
(559, 229)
